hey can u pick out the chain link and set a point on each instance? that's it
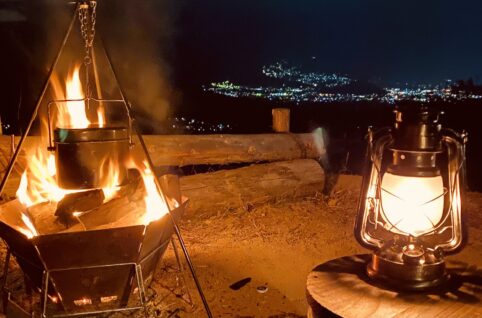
(87, 26)
(87, 29)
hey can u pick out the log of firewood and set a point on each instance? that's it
(78, 202)
(128, 201)
(221, 191)
(131, 204)
(182, 150)
(43, 218)
(209, 193)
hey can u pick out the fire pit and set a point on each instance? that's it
(91, 219)
(87, 271)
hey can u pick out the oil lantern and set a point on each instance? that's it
(410, 210)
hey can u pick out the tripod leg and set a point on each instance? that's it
(4, 278)
(9, 169)
(159, 185)
(181, 270)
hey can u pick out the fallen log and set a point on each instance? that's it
(183, 150)
(225, 190)
(209, 193)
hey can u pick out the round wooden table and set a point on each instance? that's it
(341, 288)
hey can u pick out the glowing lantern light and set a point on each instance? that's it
(410, 208)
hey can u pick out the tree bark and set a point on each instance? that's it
(183, 150)
(226, 190)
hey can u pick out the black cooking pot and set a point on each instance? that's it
(83, 156)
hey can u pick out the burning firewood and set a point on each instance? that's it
(128, 204)
(78, 202)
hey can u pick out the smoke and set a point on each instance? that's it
(138, 36)
(321, 141)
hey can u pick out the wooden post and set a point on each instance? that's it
(281, 120)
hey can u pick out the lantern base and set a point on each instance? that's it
(403, 276)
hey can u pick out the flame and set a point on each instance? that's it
(30, 231)
(72, 114)
(101, 116)
(38, 182)
(156, 206)
(412, 206)
(110, 171)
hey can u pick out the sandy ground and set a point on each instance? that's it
(274, 245)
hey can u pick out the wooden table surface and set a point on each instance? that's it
(340, 287)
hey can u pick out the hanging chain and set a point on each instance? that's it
(87, 29)
(87, 26)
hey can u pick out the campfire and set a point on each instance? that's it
(90, 220)
(89, 223)
(90, 164)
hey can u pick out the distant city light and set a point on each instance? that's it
(299, 87)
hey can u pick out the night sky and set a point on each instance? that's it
(202, 41)
(391, 41)
(166, 50)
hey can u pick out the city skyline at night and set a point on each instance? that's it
(294, 85)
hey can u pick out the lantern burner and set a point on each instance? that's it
(414, 266)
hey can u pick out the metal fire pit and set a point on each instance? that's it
(83, 156)
(88, 272)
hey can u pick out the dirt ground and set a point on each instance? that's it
(275, 246)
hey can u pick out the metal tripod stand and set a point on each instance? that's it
(80, 8)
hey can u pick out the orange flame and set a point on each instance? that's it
(72, 114)
(110, 171)
(38, 182)
(30, 231)
(156, 206)
(101, 116)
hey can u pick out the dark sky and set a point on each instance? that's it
(415, 41)
(188, 43)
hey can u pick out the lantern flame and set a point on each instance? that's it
(412, 205)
